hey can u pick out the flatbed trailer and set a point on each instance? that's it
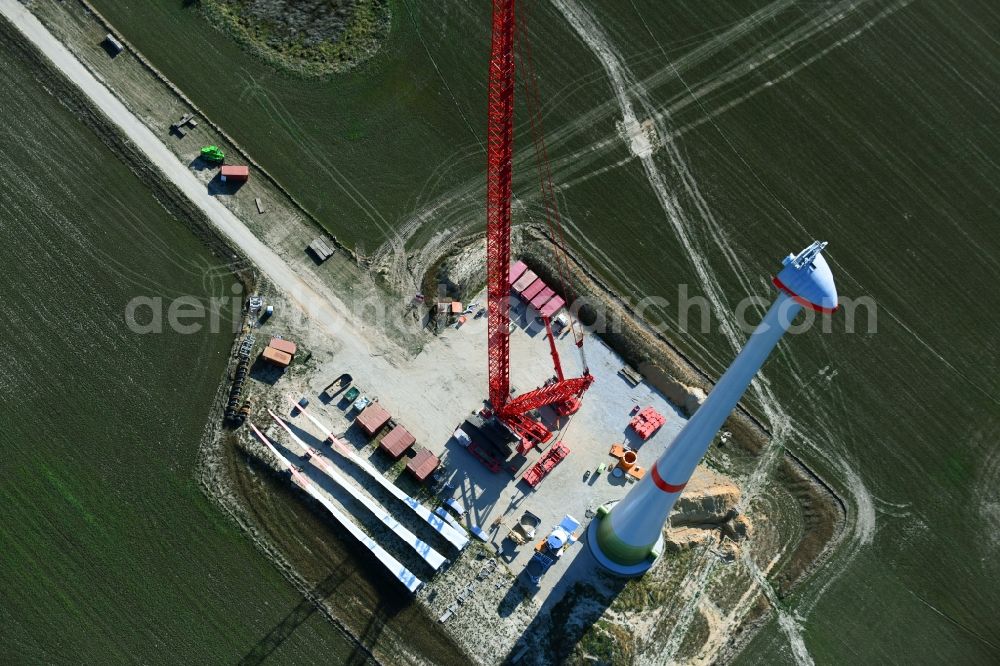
(546, 464)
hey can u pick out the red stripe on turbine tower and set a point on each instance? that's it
(662, 484)
(801, 301)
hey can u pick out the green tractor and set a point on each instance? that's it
(212, 154)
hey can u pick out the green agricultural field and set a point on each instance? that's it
(110, 551)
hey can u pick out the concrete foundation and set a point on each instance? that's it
(626, 570)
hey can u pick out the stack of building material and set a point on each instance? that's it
(630, 375)
(321, 249)
(647, 422)
(372, 418)
(397, 442)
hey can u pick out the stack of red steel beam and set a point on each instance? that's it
(647, 422)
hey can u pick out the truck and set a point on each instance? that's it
(550, 549)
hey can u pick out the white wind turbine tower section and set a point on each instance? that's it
(627, 536)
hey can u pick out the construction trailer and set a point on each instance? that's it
(234, 173)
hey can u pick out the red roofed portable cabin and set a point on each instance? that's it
(232, 173)
(423, 465)
(372, 418)
(553, 306)
(516, 271)
(281, 344)
(524, 281)
(533, 290)
(543, 297)
(276, 356)
(397, 441)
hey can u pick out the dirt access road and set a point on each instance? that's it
(324, 309)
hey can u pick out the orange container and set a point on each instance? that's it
(276, 356)
(281, 344)
(628, 461)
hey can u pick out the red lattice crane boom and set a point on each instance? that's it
(499, 155)
(563, 393)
